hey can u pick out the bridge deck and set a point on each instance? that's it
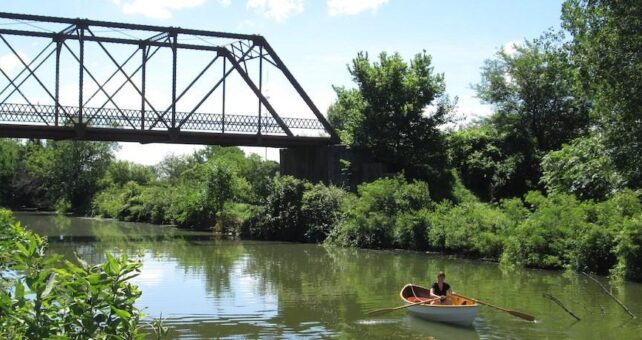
(49, 122)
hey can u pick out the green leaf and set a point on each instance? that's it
(19, 291)
(123, 314)
(112, 267)
(22, 249)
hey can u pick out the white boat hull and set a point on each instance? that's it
(462, 316)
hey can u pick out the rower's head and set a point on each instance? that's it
(441, 276)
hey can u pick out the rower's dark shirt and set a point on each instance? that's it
(437, 291)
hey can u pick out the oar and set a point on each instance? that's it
(516, 313)
(388, 310)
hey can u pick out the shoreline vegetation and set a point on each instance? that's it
(551, 179)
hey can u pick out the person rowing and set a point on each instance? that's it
(441, 290)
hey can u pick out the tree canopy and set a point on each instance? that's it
(395, 114)
(607, 51)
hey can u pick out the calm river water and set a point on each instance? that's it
(208, 288)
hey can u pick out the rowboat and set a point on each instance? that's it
(458, 310)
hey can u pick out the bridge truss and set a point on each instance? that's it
(67, 62)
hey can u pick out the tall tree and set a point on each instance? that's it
(607, 46)
(535, 92)
(538, 106)
(395, 114)
(71, 170)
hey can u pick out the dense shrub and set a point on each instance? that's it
(296, 211)
(582, 168)
(593, 250)
(491, 164)
(321, 211)
(281, 218)
(9, 151)
(187, 208)
(191, 191)
(155, 202)
(62, 206)
(471, 228)
(231, 218)
(108, 203)
(546, 238)
(371, 218)
(409, 230)
(622, 217)
(629, 249)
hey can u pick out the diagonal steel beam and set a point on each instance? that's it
(326, 125)
(28, 76)
(30, 63)
(110, 78)
(256, 91)
(143, 98)
(31, 71)
(100, 88)
(23, 96)
(188, 87)
(207, 95)
(125, 74)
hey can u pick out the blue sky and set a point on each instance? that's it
(317, 38)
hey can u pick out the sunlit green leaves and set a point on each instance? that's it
(53, 299)
(583, 168)
(607, 52)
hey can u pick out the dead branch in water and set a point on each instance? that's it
(557, 301)
(610, 294)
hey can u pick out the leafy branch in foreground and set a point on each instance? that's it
(43, 297)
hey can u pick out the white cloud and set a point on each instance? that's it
(9, 62)
(225, 3)
(510, 47)
(353, 7)
(278, 10)
(469, 109)
(157, 9)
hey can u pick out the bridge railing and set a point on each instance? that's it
(50, 115)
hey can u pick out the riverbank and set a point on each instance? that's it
(550, 232)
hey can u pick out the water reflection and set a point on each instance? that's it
(207, 288)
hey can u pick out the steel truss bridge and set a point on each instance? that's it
(23, 115)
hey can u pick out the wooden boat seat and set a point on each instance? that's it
(415, 299)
